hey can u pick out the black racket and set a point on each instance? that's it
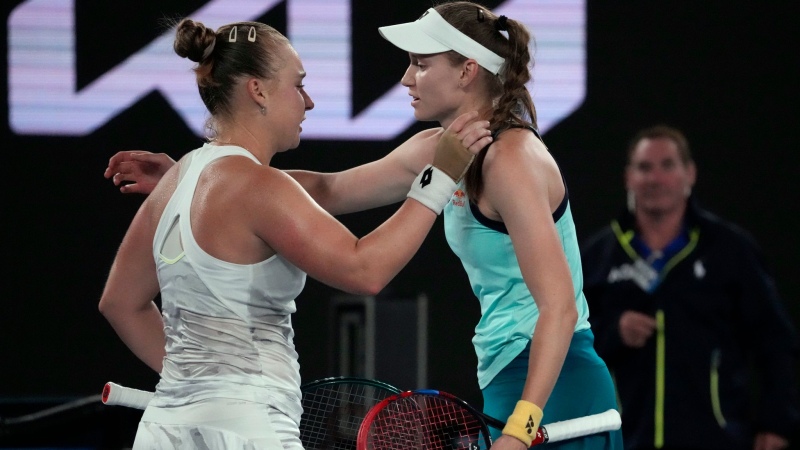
(333, 408)
(436, 420)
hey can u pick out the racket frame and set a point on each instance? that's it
(567, 429)
(312, 433)
(351, 380)
(482, 419)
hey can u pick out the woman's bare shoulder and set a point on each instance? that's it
(517, 145)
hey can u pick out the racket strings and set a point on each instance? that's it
(332, 414)
(425, 422)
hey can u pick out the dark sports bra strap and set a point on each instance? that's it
(500, 226)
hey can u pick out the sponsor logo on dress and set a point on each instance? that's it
(459, 198)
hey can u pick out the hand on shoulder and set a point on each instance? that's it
(137, 171)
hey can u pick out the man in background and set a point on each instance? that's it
(686, 315)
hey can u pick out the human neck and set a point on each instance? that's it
(657, 230)
(241, 136)
(484, 108)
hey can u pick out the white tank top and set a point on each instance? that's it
(228, 326)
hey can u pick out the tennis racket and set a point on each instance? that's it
(333, 408)
(433, 420)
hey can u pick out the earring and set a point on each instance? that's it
(687, 191)
(263, 110)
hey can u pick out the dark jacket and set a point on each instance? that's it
(719, 315)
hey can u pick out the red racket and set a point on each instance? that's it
(433, 420)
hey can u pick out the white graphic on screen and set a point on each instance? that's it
(43, 99)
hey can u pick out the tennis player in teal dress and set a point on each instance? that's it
(503, 335)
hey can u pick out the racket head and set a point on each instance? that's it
(423, 419)
(334, 407)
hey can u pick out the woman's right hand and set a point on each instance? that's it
(139, 170)
(636, 328)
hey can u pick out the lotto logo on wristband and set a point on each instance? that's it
(427, 176)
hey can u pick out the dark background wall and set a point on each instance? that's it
(724, 72)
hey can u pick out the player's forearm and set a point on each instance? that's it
(379, 256)
(549, 347)
(142, 330)
(354, 190)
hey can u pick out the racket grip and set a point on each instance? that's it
(114, 394)
(582, 426)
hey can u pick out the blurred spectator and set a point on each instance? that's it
(687, 316)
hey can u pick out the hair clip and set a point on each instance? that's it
(501, 23)
(232, 34)
(481, 16)
(251, 35)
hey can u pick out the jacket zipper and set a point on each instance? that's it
(660, 356)
(715, 403)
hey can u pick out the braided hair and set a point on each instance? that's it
(509, 39)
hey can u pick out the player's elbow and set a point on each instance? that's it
(571, 315)
(367, 286)
(105, 306)
(366, 280)
(109, 306)
(374, 288)
(563, 312)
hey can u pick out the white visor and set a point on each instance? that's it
(432, 34)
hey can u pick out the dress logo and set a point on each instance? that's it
(458, 198)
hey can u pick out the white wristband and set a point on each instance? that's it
(433, 188)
